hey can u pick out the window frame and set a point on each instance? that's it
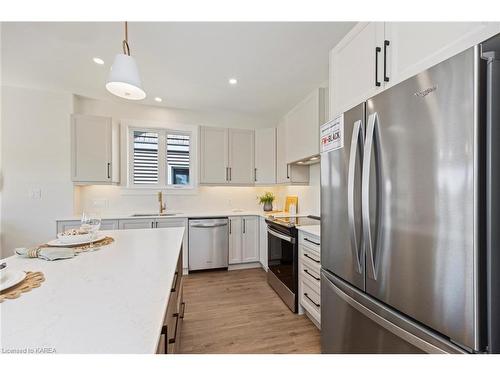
(128, 128)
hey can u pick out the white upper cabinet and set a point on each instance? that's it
(303, 122)
(94, 150)
(213, 155)
(374, 56)
(353, 77)
(282, 175)
(287, 173)
(227, 156)
(241, 156)
(265, 156)
(416, 46)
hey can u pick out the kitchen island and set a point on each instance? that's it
(113, 300)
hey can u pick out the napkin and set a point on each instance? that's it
(46, 253)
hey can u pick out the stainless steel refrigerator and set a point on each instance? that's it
(409, 247)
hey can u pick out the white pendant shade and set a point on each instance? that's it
(124, 80)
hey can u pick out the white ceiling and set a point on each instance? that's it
(187, 64)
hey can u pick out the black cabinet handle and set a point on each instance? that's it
(287, 171)
(176, 277)
(230, 221)
(172, 340)
(377, 51)
(310, 274)
(244, 225)
(308, 240)
(309, 298)
(164, 332)
(255, 175)
(315, 260)
(109, 171)
(183, 306)
(386, 44)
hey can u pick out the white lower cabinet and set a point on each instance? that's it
(243, 239)
(263, 243)
(137, 223)
(74, 224)
(309, 276)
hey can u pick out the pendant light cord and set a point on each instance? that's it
(126, 48)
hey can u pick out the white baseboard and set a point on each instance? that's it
(243, 266)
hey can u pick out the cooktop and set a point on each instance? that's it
(292, 221)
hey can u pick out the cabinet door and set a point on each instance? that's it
(213, 155)
(263, 243)
(136, 223)
(235, 240)
(282, 171)
(265, 156)
(303, 123)
(416, 46)
(109, 224)
(352, 67)
(91, 138)
(250, 243)
(171, 223)
(241, 156)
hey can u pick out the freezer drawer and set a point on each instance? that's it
(352, 322)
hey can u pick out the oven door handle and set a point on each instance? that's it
(281, 236)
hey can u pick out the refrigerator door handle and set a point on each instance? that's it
(350, 193)
(365, 194)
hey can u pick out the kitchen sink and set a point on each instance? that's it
(141, 215)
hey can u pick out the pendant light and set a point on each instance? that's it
(124, 80)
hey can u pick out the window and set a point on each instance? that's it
(160, 158)
(178, 159)
(145, 168)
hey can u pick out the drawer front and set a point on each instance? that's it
(312, 242)
(310, 275)
(310, 300)
(310, 256)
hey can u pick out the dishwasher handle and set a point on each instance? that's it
(212, 225)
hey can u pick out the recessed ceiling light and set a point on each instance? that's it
(158, 99)
(233, 81)
(98, 61)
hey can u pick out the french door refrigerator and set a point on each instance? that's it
(409, 212)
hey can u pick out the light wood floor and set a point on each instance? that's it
(238, 312)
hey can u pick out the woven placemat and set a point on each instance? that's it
(81, 248)
(32, 280)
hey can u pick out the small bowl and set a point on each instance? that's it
(64, 238)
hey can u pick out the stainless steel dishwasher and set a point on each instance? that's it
(208, 243)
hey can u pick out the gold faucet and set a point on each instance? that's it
(163, 206)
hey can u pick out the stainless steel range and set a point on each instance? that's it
(283, 255)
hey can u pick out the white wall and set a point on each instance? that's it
(309, 196)
(35, 156)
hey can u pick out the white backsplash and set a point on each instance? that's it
(118, 200)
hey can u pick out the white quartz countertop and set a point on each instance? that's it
(315, 230)
(186, 214)
(109, 301)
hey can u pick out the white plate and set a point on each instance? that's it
(11, 278)
(63, 244)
